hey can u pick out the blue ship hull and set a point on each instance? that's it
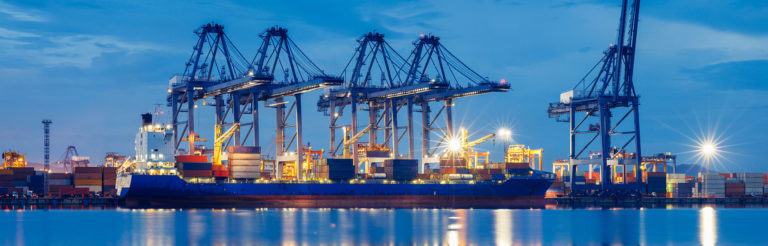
(172, 191)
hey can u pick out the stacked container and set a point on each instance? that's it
(712, 185)
(109, 178)
(753, 183)
(60, 184)
(514, 168)
(682, 190)
(245, 162)
(489, 174)
(338, 169)
(401, 169)
(734, 188)
(21, 177)
(89, 177)
(37, 183)
(673, 179)
(194, 166)
(657, 182)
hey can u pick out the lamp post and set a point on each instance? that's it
(505, 133)
(708, 150)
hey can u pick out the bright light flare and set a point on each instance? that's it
(504, 132)
(454, 145)
(708, 149)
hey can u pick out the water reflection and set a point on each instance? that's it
(711, 226)
(502, 226)
(707, 226)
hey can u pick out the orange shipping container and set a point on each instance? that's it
(87, 176)
(88, 182)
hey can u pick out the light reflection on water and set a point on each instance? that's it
(705, 226)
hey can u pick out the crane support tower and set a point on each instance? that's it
(607, 89)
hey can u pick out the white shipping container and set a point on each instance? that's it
(245, 162)
(454, 176)
(244, 156)
(91, 188)
(467, 176)
(749, 175)
(676, 176)
(246, 175)
(246, 168)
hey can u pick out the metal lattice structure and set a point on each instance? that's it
(429, 74)
(219, 75)
(47, 145)
(607, 88)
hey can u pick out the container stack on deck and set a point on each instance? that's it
(338, 169)
(453, 168)
(401, 169)
(245, 162)
(194, 167)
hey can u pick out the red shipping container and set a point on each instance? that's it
(266, 175)
(197, 173)
(591, 175)
(656, 174)
(220, 174)
(447, 170)
(191, 158)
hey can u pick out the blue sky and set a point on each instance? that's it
(93, 67)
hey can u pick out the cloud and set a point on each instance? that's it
(8, 33)
(71, 50)
(20, 15)
(701, 45)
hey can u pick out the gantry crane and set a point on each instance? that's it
(607, 88)
(224, 71)
(430, 74)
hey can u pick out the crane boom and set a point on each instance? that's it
(480, 140)
(348, 142)
(219, 141)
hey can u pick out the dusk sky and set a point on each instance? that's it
(93, 66)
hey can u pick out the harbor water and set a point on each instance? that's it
(706, 225)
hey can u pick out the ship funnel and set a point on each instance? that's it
(146, 119)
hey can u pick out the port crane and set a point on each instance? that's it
(430, 73)
(72, 159)
(608, 88)
(219, 75)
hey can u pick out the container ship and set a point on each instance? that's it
(158, 178)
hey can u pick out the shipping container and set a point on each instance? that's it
(244, 149)
(191, 158)
(244, 156)
(195, 166)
